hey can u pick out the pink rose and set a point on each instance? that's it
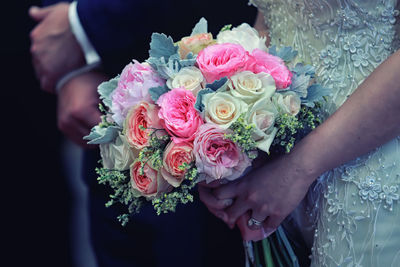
(178, 115)
(141, 121)
(216, 156)
(274, 66)
(223, 60)
(133, 87)
(149, 183)
(175, 155)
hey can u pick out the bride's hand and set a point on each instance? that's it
(268, 194)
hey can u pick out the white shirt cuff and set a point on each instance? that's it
(90, 53)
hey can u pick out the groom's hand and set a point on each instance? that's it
(54, 49)
(78, 106)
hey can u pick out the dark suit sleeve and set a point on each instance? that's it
(120, 30)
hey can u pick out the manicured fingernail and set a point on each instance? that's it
(228, 202)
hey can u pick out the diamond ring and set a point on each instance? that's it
(254, 222)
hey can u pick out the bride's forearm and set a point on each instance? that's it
(369, 118)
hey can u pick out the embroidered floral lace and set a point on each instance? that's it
(356, 208)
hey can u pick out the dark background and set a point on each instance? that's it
(35, 200)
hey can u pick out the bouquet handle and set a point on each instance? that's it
(273, 251)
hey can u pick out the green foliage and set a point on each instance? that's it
(156, 92)
(119, 182)
(105, 90)
(226, 28)
(103, 134)
(292, 129)
(168, 201)
(153, 153)
(242, 135)
(200, 27)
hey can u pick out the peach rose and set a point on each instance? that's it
(175, 155)
(194, 43)
(141, 120)
(148, 183)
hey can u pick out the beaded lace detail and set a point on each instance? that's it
(358, 208)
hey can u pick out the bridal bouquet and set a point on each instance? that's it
(200, 109)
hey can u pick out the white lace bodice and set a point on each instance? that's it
(345, 40)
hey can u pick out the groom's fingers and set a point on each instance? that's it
(38, 13)
(211, 201)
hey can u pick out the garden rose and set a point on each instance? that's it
(117, 155)
(245, 35)
(178, 115)
(148, 184)
(133, 87)
(262, 115)
(223, 60)
(288, 103)
(175, 155)
(222, 108)
(141, 121)
(218, 157)
(273, 65)
(194, 43)
(250, 87)
(189, 78)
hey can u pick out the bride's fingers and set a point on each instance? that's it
(272, 223)
(211, 201)
(238, 208)
(226, 191)
(257, 218)
(213, 184)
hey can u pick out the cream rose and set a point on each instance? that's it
(262, 115)
(245, 35)
(117, 155)
(250, 87)
(222, 108)
(287, 103)
(189, 78)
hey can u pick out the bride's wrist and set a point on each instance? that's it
(301, 168)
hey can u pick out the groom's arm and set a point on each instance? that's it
(114, 31)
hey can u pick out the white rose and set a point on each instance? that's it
(245, 35)
(190, 78)
(262, 115)
(287, 103)
(117, 155)
(251, 87)
(222, 108)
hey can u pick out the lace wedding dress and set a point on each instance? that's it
(356, 207)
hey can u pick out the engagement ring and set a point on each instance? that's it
(253, 221)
